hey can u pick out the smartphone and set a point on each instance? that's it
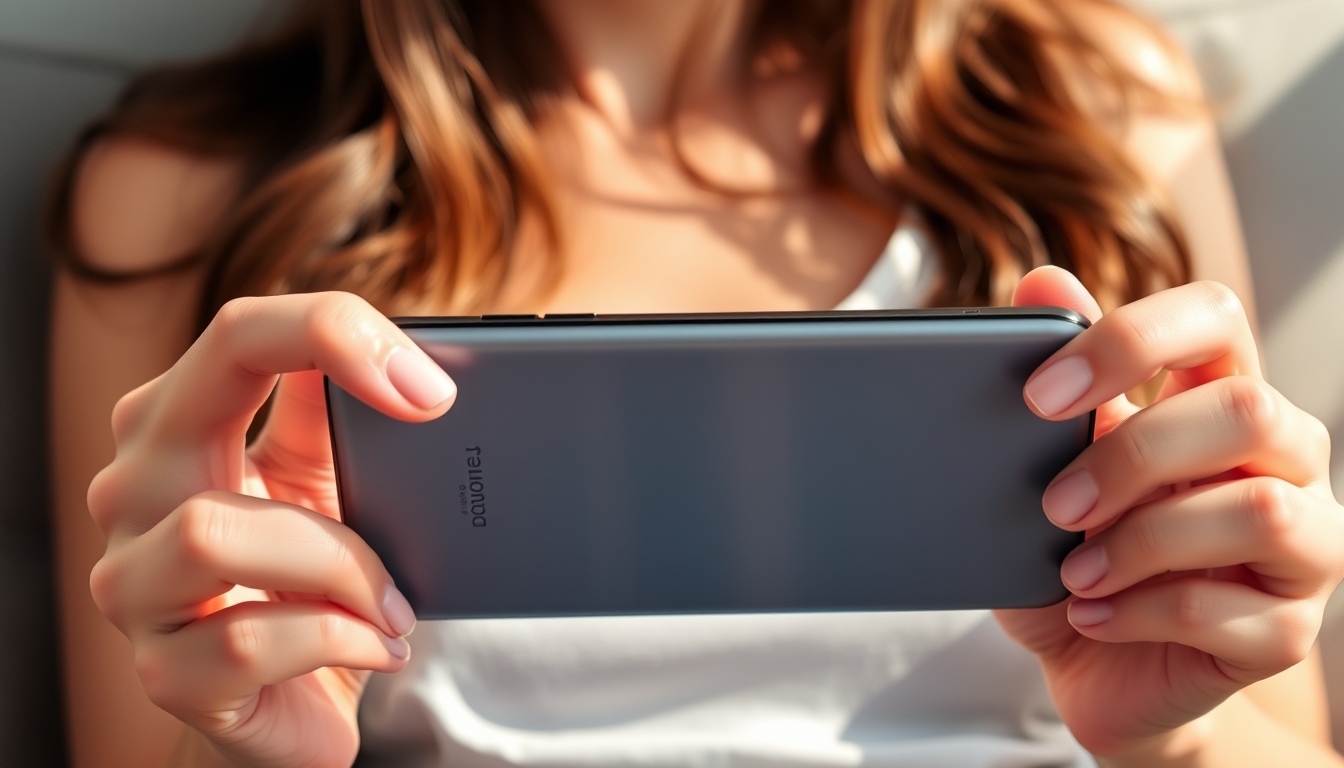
(818, 461)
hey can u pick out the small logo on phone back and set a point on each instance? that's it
(471, 494)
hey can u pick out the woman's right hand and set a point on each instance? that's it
(255, 614)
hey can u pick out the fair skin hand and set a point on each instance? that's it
(249, 605)
(1212, 533)
(262, 672)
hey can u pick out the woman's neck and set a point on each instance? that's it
(627, 58)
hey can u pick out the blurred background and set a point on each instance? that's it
(1276, 67)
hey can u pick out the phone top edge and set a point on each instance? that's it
(1056, 599)
(581, 319)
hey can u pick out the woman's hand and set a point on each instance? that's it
(1213, 537)
(249, 606)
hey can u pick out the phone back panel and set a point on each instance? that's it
(879, 462)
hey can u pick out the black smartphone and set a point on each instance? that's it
(718, 463)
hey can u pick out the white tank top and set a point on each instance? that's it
(728, 691)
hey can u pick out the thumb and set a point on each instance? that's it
(1055, 287)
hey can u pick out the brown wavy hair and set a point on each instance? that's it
(389, 148)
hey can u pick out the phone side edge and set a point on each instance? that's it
(327, 385)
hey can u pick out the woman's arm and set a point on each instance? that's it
(136, 206)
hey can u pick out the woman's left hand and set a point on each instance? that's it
(1213, 538)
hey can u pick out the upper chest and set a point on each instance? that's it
(726, 223)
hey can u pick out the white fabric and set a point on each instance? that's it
(750, 691)
(902, 276)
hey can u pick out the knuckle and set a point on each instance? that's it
(1136, 335)
(1273, 512)
(343, 558)
(1135, 447)
(331, 630)
(334, 317)
(104, 586)
(234, 314)
(1190, 607)
(1292, 637)
(338, 305)
(1254, 405)
(1221, 299)
(347, 560)
(335, 308)
(204, 526)
(1145, 538)
(1317, 438)
(129, 412)
(240, 643)
(104, 496)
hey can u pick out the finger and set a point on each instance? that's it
(1236, 423)
(1198, 331)
(158, 581)
(1251, 634)
(216, 664)
(230, 370)
(1285, 535)
(1055, 287)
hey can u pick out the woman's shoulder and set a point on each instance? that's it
(1173, 139)
(138, 205)
(1138, 46)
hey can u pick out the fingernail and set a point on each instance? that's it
(1084, 568)
(397, 646)
(1060, 385)
(1068, 500)
(398, 611)
(418, 379)
(1089, 613)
